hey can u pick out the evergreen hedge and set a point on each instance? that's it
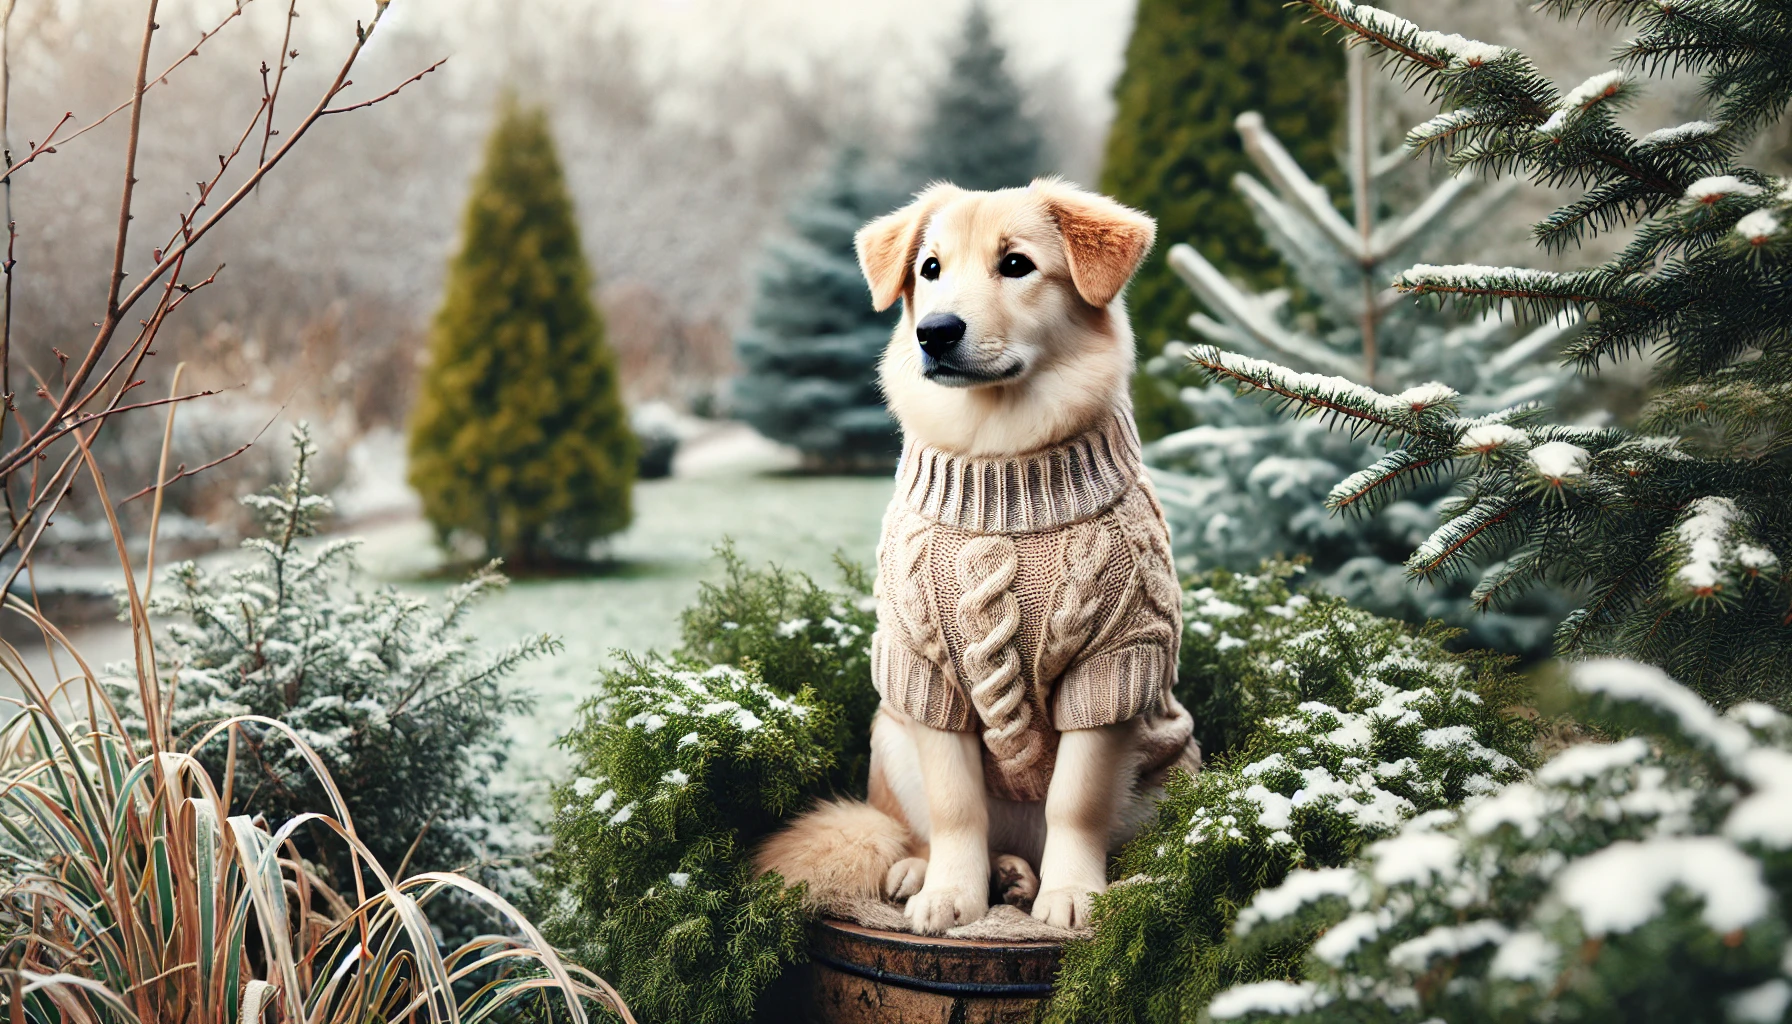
(1193, 66)
(519, 438)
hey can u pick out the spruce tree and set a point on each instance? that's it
(1192, 67)
(1246, 484)
(520, 438)
(810, 351)
(978, 134)
(1678, 532)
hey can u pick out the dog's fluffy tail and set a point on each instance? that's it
(844, 849)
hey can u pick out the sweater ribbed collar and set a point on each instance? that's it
(1040, 490)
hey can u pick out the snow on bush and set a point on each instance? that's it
(682, 765)
(1640, 880)
(405, 709)
(1326, 729)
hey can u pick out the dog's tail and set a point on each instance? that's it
(843, 849)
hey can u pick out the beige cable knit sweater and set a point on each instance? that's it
(1029, 595)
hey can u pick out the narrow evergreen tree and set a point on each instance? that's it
(1246, 485)
(1192, 67)
(978, 135)
(520, 438)
(1680, 534)
(810, 351)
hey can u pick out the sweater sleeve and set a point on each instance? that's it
(916, 687)
(1129, 669)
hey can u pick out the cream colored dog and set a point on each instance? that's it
(1028, 613)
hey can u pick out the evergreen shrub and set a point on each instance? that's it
(978, 134)
(403, 706)
(1647, 879)
(1193, 66)
(682, 765)
(519, 439)
(1325, 728)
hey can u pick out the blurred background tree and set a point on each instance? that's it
(519, 438)
(810, 350)
(1191, 68)
(978, 134)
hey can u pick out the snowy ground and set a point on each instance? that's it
(726, 486)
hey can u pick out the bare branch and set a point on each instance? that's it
(388, 94)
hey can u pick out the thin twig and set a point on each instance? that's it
(155, 515)
(389, 93)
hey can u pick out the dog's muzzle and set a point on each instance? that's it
(941, 337)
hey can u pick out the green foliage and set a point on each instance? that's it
(1191, 68)
(1325, 728)
(1679, 537)
(402, 706)
(1639, 881)
(683, 765)
(977, 135)
(520, 439)
(810, 352)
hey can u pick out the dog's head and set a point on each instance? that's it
(998, 285)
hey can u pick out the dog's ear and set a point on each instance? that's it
(1104, 240)
(888, 245)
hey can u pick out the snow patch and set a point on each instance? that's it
(1619, 888)
(1559, 460)
(1276, 997)
(1719, 186)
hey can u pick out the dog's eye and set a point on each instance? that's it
(1015, 265)
(931, 268)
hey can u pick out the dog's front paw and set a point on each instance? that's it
(905, 878)
(932, 911)
(1015, 881)
(1064, 908)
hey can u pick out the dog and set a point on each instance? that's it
(1029, 614)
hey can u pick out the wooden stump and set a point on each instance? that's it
(859, 975)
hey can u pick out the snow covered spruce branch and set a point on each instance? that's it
(1642, 879)
(1676, 532)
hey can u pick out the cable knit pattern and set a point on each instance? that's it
(1079, 597)
(988, 619)
(1021, 597)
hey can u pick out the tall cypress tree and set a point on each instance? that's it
(1192, 67)
(809, 353)
(520, 437)
(978, 136)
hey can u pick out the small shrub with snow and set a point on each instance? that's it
(683, 765)
(797, 633)
(1648, 879)
(1326, 728)
(404, 708)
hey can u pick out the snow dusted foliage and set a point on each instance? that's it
(1647, 879)
(403, 706)
(682, 766)
(1675, 534)
(1248, 484)
(1326, 729)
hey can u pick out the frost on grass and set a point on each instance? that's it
(1326, 728)
(1661, 853)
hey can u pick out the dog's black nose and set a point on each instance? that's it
(938, 333)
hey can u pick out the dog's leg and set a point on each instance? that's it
(1079, 813)
(956, 889)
